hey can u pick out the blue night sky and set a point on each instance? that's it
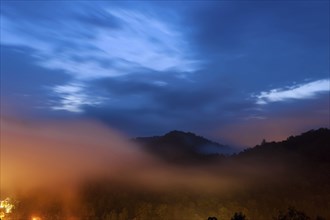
(233, 71)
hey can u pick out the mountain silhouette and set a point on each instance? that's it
(312, 145)
(309, 149)
(183, 147)
(301, 158)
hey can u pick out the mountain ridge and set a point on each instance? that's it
(186, 147)
(183, 147)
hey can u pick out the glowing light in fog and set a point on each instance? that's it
(6, 207)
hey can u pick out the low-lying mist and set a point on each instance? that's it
(85, 170)
(56, 154)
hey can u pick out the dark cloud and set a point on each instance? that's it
(167, 91)
(123, 86)
(138, 104)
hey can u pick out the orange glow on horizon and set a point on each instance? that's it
(251, 132)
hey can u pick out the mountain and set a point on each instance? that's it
(301, 158)
(183, 147)
(314, 145)
(307, 149)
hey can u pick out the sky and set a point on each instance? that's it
(233, 71)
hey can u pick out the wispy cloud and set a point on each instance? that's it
(93, 51)
(73, 97)
(301, 91)
(139, 41)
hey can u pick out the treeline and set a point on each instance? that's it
(262, 203)
(107, 201)
(290, 214)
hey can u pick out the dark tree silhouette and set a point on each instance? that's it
(292, 214)
(238, 216)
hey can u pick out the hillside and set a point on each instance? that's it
(312, 148)
(183, 147)
(308, 149)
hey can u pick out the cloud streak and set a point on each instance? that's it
(301, 91)
(126, 42)
(73, 97)
(138, 42)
